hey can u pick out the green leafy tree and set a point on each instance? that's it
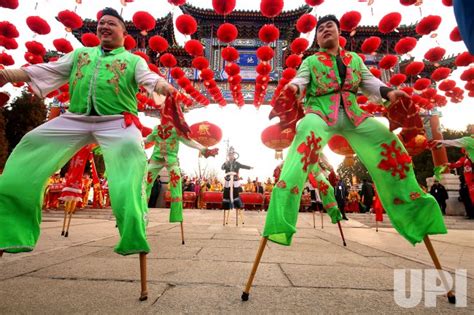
(25, 113)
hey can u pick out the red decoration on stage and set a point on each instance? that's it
(390, 22)
(206, 133)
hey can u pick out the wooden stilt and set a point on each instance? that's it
(322, 219)
(223, 222)
(236, 217)
(261, 248)
(434, 257)
(71, 207)
(241, 212)
(228, 215)
(64, 221)
(342, 234)
(182, 232)
(144, 290)
(376, 226)
(1, 253)
(314, 218)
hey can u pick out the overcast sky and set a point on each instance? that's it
(243, 126)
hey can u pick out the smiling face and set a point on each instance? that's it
(111, 32)
(327, 35)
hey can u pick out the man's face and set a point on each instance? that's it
(327, 35)
(111, 32)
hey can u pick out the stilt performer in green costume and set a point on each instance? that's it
(103, 83)
(331, 78)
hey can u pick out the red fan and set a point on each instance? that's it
(388, 62)
(405, 45)
(350, 20)
(265, 53)
(271, 8)
(168, 60)
(397, 79)
(428, 24)
(70, 20)
(158, 43)
(194, 47)
(403, 113)
(422, 84)
(435, 54)
(223, 7)
(414, 68)
(268, 33)
(186, 24)
(230, 54)
(129, 42)
(299, 45)
(144, 21)
(227, 32)
(390, 22)
(440, 74)
(38, 25)
(370, 44)
(306, 23)
(90, 40)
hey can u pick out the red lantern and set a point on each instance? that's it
(350, 20)
(342, 41)
(390, 22)
(194, 47)
(223, 7)
(289, 73)
(314, 2)
(143, 55)
(422, 84)
(455, 36)
(144, 21)
(8, 30)
(468, 75)
(339, 145)
(232, 69)
(35, 48)
(414, 68)
(428, 24)
(271, 8)
(62, 45)
(9, 4)
(177, 2)
(464, 59)
(277, 139)
(265, 53)
(388, 62)
(177, 73)
(405, 45)
(299, 45)
(435, 54)
(90, 40)
(447, 85)
(370, 44)
(441, 73)
(32, 58)
(129, 42)
(206, 74)
(38, 25)
(186, 24)
(70, 20)
(227, 32)
(206, 133)
(375, 72)
(158, 43)
(200, 63)
(6, 59)
(397, 79)
(268, 33)
(230, 54)
(448, 3)
(407, 2)
(306, 23)
(8, 43)
(293, 61)
(168, 60)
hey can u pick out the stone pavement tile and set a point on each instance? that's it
(15, 265)
(212, 299)
(106, 242)
(165, 251)
(217, 243)
(339, 277)
(188, 235)
(229, 236)
(166, 270)
(365, 251)
(28, 295)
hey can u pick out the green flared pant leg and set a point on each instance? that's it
(39, 154)
(126, 164)
(413, 213)
(328, 198)
(282, 214)
(176, 190)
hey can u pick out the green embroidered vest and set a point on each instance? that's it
(103, 80)
(166, 144)
(325, 90)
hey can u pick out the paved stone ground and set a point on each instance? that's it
(81, 274)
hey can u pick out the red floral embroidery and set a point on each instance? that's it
(164, 132)
(281, 184)
(310, 151)
(396, 161)
(325, 59)
(174, 178)
(346, 57)
(295, 190)
(323, 187)
(414, 195)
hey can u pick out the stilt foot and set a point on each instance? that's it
(1, 253)
(143, 296)
(182, 243)
(451, 297)
(245, 296)
(66, 234)
(344, 244)
(62, 233)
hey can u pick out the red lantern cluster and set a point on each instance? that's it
(207, 75)
(186, 85)
(206, 133)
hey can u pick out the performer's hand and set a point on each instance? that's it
(164, 88)
(394, 95)
(292, 87)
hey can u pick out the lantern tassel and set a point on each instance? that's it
(278, 154)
